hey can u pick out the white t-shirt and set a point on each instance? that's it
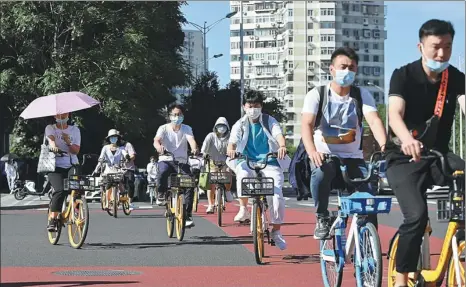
(152, 171)
(75, 138)
(175, 142)
(340, 118)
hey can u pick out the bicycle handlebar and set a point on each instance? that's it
(257, 168)
(344, 171)
(435, 154)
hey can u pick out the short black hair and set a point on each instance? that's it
(253, 97)
(177, 106)
(436, 27)
(345, 51)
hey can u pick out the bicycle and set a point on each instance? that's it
(450, 207)
(258, 187)
(336, 249)
(220, 179)
(175, 212)
(113, 180)
(75, 211)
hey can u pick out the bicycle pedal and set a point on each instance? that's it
(272, 243)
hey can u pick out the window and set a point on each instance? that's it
(310, 25)
(356, 33)
(366, 58)
(234, 33)
(310, 13)
(376, 96)
(290, 77)
(310, 38)
(345, 20)
(326, 50)
(234, 45)
(346, 44)
(327, 11)
(327, 38)
(376, 46)
(289, 25)
(366, 45)
(235, 70)
(289, 130)
(366, 33)
(366, 70)
(327, 25)
(376, 58)
(346, 32)
(310, 51)
(290, 116)
(234, 58)
(290, 51)
(376, 82)
(376, 34)
(376, 71)
(290, 64)
(290, 39)
(290, 12)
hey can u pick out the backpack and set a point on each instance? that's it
(265, 121)
(355, 93)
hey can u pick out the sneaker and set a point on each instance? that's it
(242, 215)
(229, 196)
(278, 239)
(322, 228)
(210, 209)
(52, 226)
(189, 221)
(131, 206)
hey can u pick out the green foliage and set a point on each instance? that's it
(126, 54)
(456, 137)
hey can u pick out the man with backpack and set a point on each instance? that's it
(255, 135)
(331, 123)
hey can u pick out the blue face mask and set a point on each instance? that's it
(177, 120)
(344, 78)
(62, 121)
(113, 140)
(435, 66)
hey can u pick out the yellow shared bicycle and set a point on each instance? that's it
(450, 205)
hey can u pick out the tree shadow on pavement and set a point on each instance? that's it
(69, 283)
(292, 259)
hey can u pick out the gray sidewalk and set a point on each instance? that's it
(8, 202)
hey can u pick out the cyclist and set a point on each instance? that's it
(174, 137)
(255, 135)
(130, 168)
(152, 170)
(336, 128)
(113, 153)
(66, 138)
(215, 146)
(413, 94)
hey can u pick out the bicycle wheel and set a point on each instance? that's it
(257, 232)
(180, 215)
(451, 273)
(152, 195)
(170, 218)
(332, 273)
(103, 199)
(369, 272)
(80, 221)
(195, 199)
(54, 236)
(19, 194)
(219, 199)
(126, 209)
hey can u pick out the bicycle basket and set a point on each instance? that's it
(220, 178)
(257, 186)
(79, 182)
(364, 203)
(443, 210)
(112, 178)
(181, 181)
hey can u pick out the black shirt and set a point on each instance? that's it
(410, 82)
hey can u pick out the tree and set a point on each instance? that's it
(126, 54)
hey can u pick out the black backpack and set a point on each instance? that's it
(355, 93)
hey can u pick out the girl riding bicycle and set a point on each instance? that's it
(215, 146)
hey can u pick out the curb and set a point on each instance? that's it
(24, 207)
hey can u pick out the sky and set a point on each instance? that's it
(404, 18)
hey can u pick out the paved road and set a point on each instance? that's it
(209, 255)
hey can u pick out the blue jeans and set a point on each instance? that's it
(165, 169)
(321, 181)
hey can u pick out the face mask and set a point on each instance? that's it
(177, 120)
(253, 113)
(113, 140)
(344, 78)
(222, 129)
(435, 66)
(62, 121)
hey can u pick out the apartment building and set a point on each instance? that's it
(287, 48)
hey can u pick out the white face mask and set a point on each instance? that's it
(222, 129)
(253, 113)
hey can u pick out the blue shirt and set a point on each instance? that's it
(257, 146)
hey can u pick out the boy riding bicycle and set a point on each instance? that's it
(255, 135)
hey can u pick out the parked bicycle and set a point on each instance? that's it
(450, 207)
(23, 188)
(75, 211)
(175, 213)
(220, 179)
(362, 245)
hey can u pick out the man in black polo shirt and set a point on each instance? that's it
(413, 96)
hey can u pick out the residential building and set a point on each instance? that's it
(287, 48)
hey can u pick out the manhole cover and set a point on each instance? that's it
(96, 273)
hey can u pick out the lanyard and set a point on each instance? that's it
(442, 94)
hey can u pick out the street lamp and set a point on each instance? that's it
(205, 29)
(385, 100)
(203, 62)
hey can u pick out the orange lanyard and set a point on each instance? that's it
(442, 94)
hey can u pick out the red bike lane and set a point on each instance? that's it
(297, 266)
